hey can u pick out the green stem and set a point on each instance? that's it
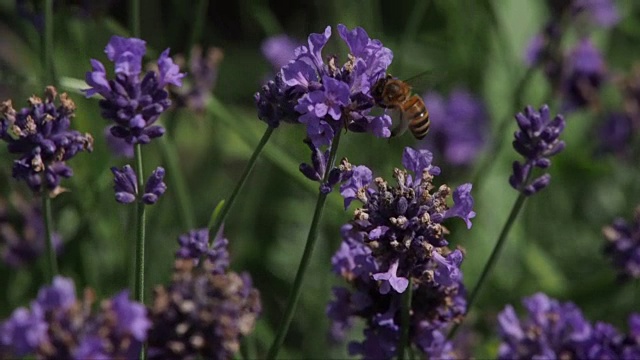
(140, 231)
(294, 296)
(52, 268)
(178, 182)
(47, 48)
(228, 204)
(134, 18)
(405, 321)
(493, 258)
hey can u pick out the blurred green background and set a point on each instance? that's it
(555, 246)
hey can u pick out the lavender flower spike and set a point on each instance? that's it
(40, 134)
(126, 185)
(536, 140)
(397, 236)
(324, 96)
(205, 310)
(133, 104)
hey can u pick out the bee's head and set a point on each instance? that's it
(378, 88)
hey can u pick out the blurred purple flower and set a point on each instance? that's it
(623, 246)
(200, 79)
(59, 326)
(536, 140)
(133, 104)
(279, 50)
(615, 133)
(22, 235)
(584, 74)
(323, 96)
(202, 314)
(550, 330)
(555, 330)
(396, 236)
(126, 185)
(40, 133)
(458, 126)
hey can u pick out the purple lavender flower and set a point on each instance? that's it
(316, 171)
(59, 326)
(126, 185)
(623, 246)
(22, 236)
(584, 74)
(615, 134)
(279, 50)
(551, 330)
(536, 140)
(40, 133)
(458, 126)
(396, 236)
(323, 96)
(202, 314)
(133, 104)
(195, 244)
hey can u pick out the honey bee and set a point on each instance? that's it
(390, 93)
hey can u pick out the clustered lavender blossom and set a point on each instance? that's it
(22, 235)
(623, 246)
(59, 326)
(458, 126)
(536, 140)
(205, 310)
(396, 243)
(133, 104)
(40, 133)
(326, 97)
(555, 330)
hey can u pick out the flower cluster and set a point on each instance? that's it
(458, 126)
(317, 170)
(555, 330)
(536, 140)
(134, 104)
(22, 235)
(623, 246)
(195, 244)
(40, 133)
(205, 310)
(200, 80)
(396, 243)
(323, 96)
(58, 326)
(126, 185)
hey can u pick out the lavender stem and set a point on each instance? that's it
(405, 321)
(52, 268)
(294, 296)
(140, 231)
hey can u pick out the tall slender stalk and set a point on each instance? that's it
(134, 18)
(52, 266)
(405, 321)
(294, 296)
(140, 228)
(198, 23)
(213, 230)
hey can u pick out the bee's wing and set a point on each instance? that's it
(402, 123)
(426, 80)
